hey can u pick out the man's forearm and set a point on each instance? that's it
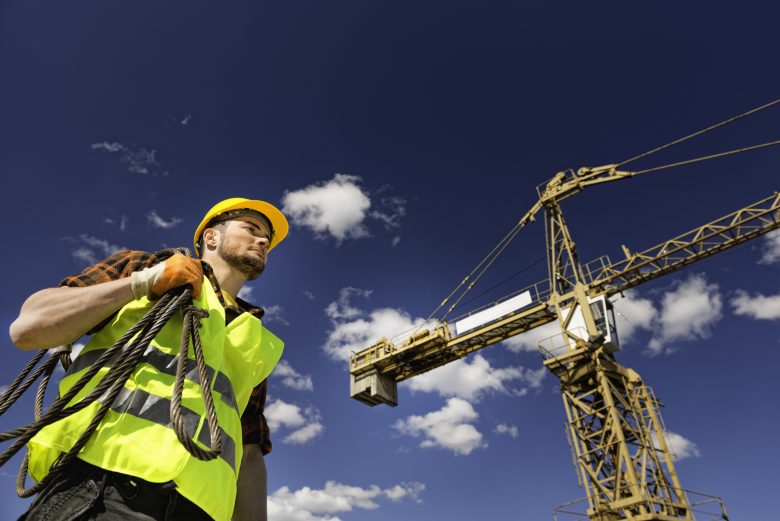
(58, 316)
(252, 493)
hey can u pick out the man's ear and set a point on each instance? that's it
(210, 238)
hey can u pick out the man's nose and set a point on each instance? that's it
(264, 242)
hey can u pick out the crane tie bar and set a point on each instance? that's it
(123, 357)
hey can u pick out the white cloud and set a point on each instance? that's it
(471, 381)
(354, 329)
(449, 428)
(306, 424)
(632, 314)
(509, 430)
(307, 504)
(396, 240)
(84, 255)
(89, 249)
(688, 312)
(342, 308)
(245, 293)
(771, 253)
(679, 447)
(138, 160)
(156, 221)
(308, 294)
(393, 210)
(274, 313)
(101, 244)
(529, 341)
(185, 120)
(283, 414)
(292, 378)
(341, 208)
(759, 307)
(304, 434)
(122, 222)
(337, 207)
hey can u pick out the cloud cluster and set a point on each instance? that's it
(292, 378)
(305, 424)
(471, 381)
(759, 307)
(89, 249)
(138, 160)
(121, 222)
(337, 207)
(771, 253)
(688, 312)
(340, 208)
(393, 209)
(451, 427)
(355, 329)
(155, 221)
(509, 430)
(679, 447)
(307, 504)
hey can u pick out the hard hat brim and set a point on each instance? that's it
(277, 219)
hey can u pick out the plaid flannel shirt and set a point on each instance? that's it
(122, 264)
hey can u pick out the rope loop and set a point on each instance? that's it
(121, 359)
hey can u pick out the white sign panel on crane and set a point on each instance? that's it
(494, 312)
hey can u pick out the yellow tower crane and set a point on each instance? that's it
(614, 424)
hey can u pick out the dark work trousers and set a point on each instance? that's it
(84, 492)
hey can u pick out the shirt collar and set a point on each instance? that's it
(243, 305)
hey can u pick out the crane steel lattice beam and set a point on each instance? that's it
(432, 348)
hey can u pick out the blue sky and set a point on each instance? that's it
(404, 139)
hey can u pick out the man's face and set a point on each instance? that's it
(244, 244)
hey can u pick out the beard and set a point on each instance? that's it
(248, 264)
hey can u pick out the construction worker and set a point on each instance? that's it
(134, 467)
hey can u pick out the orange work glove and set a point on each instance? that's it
(176, 271)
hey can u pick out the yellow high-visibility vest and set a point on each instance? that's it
(136, 436)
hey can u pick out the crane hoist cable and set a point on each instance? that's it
(490, 258)
(699, 133)
(122, 359)
(705, 158)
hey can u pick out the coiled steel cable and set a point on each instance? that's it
(122, 358)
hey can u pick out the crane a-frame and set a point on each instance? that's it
(614, 425)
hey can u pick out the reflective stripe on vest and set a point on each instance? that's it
(136, 436)
(165, 364)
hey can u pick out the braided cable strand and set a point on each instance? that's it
(106, 391)
(122, 358)
(14, 390)
(192, 315)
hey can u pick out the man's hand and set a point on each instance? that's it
(174, 272)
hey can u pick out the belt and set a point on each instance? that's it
(159, 500)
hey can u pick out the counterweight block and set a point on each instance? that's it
(373, 388)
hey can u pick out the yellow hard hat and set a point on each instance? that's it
(277, 220)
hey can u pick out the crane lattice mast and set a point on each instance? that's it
(613, 420)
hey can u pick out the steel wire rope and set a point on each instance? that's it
(501, 246)
(519, 226)
(466, 279)
(699, 133)
(705, 158)
(128, 351)
(491, 288)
